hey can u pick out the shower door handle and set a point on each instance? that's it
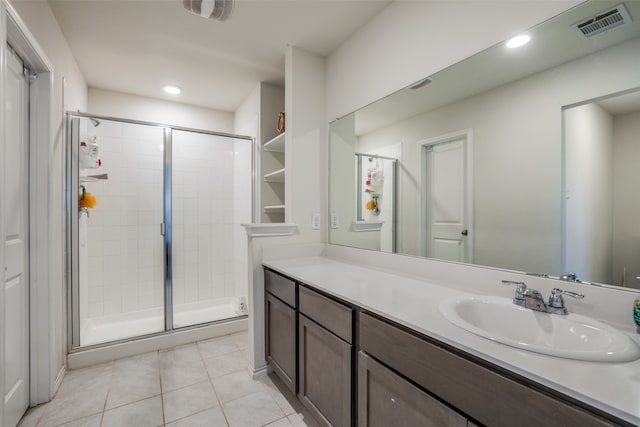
(162, 228)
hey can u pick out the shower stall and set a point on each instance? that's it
(154, 241)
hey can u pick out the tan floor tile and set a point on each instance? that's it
(241, 339)
(146, 413)
(284, 422)
(233, 386)
(217, 346)
(178, 356)
(253, 410)
(147, 363)
(226, 364)
(209, 418)
(303, 419)
(188, 401)
(183, 375)
(87, 400)
(92, 421)
(287, 401)
(136, 386)
(32, 416)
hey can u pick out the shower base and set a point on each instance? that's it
(99, 330)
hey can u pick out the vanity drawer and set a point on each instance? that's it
(331, 314)
(281, 287)
(490, 398)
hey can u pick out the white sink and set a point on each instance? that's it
(569, 336)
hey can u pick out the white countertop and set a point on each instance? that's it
(611, 387)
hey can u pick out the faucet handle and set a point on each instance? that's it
(556, 302)
(518, 298)
(520, 285)
(558, 292)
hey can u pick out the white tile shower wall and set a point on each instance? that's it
(125, 245)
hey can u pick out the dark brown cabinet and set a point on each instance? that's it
(281, 328)
(281, 342)
(325, 374)
(403, 378)
(387, 399)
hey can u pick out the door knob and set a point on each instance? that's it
(465, 232)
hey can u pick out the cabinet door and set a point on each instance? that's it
(281, 340)
(387, 399)
(325, 374)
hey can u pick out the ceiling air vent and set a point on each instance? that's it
(604, 21)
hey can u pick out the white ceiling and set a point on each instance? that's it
(553, 42)
(139, 46)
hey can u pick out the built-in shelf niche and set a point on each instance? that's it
(271, 208)
(274, 209)
(275, 176)
(275, 145)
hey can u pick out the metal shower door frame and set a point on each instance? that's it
(72, 229)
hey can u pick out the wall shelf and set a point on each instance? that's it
(276, 144)
(270, 230)
(274, 209)
(275, 176)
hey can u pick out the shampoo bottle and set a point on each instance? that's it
(636, 312)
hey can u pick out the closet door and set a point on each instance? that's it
(15, 205)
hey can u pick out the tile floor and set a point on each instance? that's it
(202, 384)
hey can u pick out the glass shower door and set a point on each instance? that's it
(119, 273)
(211, 197)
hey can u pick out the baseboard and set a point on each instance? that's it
(58, 381)
(96, 356)
(260, 372)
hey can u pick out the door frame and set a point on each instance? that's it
(467, 135)
(14, 31)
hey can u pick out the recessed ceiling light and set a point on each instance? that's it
(518, 41)
(173, 90)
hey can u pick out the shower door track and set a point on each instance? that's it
(71, 207)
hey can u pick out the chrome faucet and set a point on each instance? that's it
(556, 302)
(569, 277)
(532, 299)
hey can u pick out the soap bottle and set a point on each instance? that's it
(636, 312)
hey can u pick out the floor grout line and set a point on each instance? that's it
(164, 421)
(215, 392)
(229, 344)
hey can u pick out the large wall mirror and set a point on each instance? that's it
(524, 158)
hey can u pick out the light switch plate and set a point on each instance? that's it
(315, 221)
(335, 221)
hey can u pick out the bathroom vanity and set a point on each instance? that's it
(361, 346)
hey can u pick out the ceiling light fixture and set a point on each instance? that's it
(211, 9)
(518, 41)
(173, 90)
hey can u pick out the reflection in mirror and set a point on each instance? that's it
(516, 158)
(602, 149)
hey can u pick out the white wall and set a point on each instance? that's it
(72, 95)
(589, 192)
(245, 123)
(305, 187)
(626, 198)
(409, 40)
(521, 122)
(122, 105)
